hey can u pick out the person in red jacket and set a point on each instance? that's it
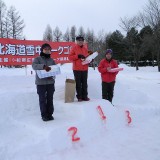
(108, 78)
(77, 55)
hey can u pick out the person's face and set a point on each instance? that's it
(108, 56)
(80, 42)
(47, 50)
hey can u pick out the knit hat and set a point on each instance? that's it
(45, 45)
(109, 51)
(79, 38)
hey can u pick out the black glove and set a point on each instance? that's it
(47, 68)
(81, 56)
(50, 78)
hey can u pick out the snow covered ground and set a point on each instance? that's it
(24, 136)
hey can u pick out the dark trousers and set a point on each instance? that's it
(81, 84)
(45, 93)
(108, 90)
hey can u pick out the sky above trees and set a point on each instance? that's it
(93, 14)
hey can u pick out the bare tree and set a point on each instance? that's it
(100, 45)
(2, 17)
(57, 34)
(101, 35)
(7, 26)
(130, 26)
(81, 31)
(66, 36)
(90, 38)
(127, 23)
(16, 24)
(142, 20)
(73, 33)
(152, 14)
(48, 35)
(100, 41)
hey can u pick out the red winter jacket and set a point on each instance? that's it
(107, 76)
(73, 56)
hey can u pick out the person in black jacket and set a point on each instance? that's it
(45, 86)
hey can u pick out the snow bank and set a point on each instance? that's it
(25, 136)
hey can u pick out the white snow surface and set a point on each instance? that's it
(24, 136)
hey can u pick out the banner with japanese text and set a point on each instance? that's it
(22, 52)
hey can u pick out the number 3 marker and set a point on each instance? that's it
(128, 117)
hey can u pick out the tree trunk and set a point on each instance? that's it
(136, 60)
(137, 68)
(158, 61)
(152, 59)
